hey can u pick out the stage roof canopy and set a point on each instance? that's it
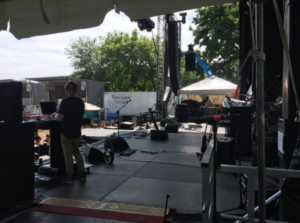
(7, 80)
(60, 80)
(210, 86)
(91, 90)
(29, 18)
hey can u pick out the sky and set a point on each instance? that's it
(44, 56)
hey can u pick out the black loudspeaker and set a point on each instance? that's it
(127, 125)
(172, 128)
(245, 145)
(93, 155)
(190, 61)
(225, 150)
(240, 118)
(174, 56)
(11, 102)
(193, 105)
(116, 144)
(16, 164)
(159, 135)
(182, 113)
(165, 121)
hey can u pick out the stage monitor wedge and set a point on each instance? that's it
(11, 102)
(116, 144)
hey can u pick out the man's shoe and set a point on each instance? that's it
(68, 180)
(81, 176)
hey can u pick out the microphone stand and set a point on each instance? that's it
(118, 112)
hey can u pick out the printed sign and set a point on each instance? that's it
(120, 98)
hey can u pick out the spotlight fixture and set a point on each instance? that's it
(147, 24)
(183, 15)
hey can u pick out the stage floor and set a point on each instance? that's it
(157, 168)
(100, 134)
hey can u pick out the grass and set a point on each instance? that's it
(42, 133)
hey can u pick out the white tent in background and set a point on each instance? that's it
(90, 107)
(210, 86)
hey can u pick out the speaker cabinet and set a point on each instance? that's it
(240, 118)
(171, 128)
(174, 56)
(190, 61)
(11, 102)
(116, 144)
(159, 135)
(245, 145)
(225, 150)
(127, 125)
(16, 164)
(93, 155)
(182, 113)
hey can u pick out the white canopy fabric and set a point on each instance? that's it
(210, 86)
(90, 107)
(40, 17)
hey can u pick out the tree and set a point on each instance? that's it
(128, 62)
(218, 32)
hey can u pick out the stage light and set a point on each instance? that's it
(183, 15)
(147, 24)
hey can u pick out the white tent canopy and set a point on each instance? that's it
(29, 18)
(210, 86)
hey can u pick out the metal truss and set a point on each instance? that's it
(161, 48)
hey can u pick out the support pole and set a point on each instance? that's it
(215, 214)
(260, 113)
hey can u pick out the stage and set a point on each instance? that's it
(99, 134)
(157, 168)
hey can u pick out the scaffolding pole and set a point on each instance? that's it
(160, 79)
(260, 113)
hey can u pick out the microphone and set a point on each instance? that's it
(214, 118)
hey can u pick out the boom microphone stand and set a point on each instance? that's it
(118, 112)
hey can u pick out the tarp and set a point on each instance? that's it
(90, 107)
(210, 86)
(29, 18)
(94, 91)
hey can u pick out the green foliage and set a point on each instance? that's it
(128, 62)
(218, 32)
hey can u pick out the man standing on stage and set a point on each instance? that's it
(70, 113)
